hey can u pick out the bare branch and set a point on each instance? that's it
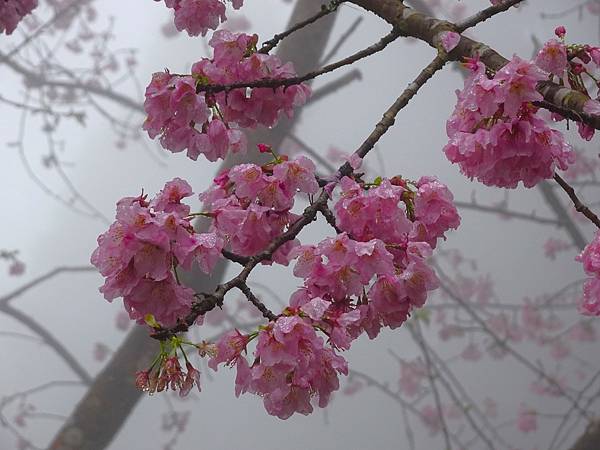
(579, 206)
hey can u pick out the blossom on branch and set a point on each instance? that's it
(198, 16)
(186, 115)
(496, 134)
(140, 252)
(13, 11)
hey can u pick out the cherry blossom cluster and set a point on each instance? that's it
(568, 64)
(292, 364)
(372, 274)
(198, 16)
(590, 258)
(140, 252)
(187, 116)
(13, 11)
(167, 373)
(251, 205)
(496, 134)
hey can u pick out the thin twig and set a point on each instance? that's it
(502, 344)
(431, 377)
(509, 213)
(343, 38)
(284, 82)
(266, 312)
(485, 14)
(49, 340)
(5, 299)
(579, 206)
(269, 45)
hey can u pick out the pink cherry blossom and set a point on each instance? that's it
(374, 213)
(590, 302)
(192, 378)
(229, 349)
(13, 11)
(590, 257)
(450, 40)
(16, 268)
(553, 57)
(431, 419)
(187, 118)
(138, 253)
(198, 16)
(251, 205)
(553, 246)
(434, 208)
(412, 375)
(165, 300)
(292, 367)
(496, 134)
(527, 419)
(592, 107)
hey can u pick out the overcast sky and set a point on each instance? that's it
(49, 234)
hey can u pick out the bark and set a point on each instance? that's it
(590, 440)
(425, 28)
(105, 407)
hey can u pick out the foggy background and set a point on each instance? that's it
(49, 234)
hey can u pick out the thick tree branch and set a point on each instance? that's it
(413, 23)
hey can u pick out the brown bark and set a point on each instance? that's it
(590, 440)
(425, 28)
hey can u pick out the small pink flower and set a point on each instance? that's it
(101, 351)
(450, 40)
(16, 268)
(527, 419)
(192, 378)
(592, 107)
(553, 57)
(355, 161)
(122, 321)
(590, 302)
(13, 11)
(553, 246)
(471, 353)
(264, 148)
(142, 380)
(228, 349)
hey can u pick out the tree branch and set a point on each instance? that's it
(427, 29)
(579, 206)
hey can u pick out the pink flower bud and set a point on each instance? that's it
(264, 148)
(577, 68)
(560, 31)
